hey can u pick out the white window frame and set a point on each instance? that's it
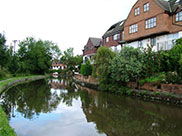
(179, 16)
(107, 39)
(150, 23)
(146, 7)
(133, 28)
(137, 11)
(116, 36)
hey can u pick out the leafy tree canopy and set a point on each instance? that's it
(35, 56)
(128, 65)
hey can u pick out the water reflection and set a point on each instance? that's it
(54, 107)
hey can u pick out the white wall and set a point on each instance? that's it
(164, 42)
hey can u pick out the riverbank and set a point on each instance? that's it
(148, 91)
(5, 129)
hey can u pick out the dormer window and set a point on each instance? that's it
(107, 39)
(137, 11)
(179, 16)
(146, 7)
(116, 37)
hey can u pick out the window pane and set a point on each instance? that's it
(180, 17)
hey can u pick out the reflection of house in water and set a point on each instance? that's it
(58, 84)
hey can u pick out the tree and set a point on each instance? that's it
(128, 65)
(102, 61)
(35, 56)
(86, 69)
(3, 51)
(176, 56)
(13, 61)
(73, 63)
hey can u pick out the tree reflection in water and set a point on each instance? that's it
(113, 115)
(30, 99)
(118, 116)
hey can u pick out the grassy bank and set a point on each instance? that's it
(5, 129)
(7, 81)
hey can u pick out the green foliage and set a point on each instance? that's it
(173, 78)
(157, 93)
(151, 58)
(175, 57)
(86, 69)
(128, 65)
(53, 71)
(72, 62)
(102, 61)
(35, 56)
(3, 51)
(4, 73)
(165, 61)
(160, 77)
(5, 129)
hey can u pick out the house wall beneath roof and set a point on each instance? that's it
(111, 42)
(89, 48)
(88, 57)
(163, 20)
(163, 42)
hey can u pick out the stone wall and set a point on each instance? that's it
(157, 87)
(88, 79)
(19, 81)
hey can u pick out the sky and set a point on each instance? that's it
(68, 23)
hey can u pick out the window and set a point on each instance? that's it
(107, 39)
(86, 48)
(150, 23)
(116, 37)
(137, 11)
(133, 28)
(153, 41)
(179, 16)
(146, 7)
(92, 47)
(140, 44)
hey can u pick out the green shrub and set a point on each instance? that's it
(102, 61)
(53, 71)
(172, 78)
(4, 73)
(86, 69)
(176, 56)
(128, 65)
(160, 77)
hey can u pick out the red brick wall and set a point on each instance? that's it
(111, 42)
(89, 45)
(172, 27)
(155, 11)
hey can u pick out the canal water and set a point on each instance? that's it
(53, 107)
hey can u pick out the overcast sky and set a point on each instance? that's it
(69, 23)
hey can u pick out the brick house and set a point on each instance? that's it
(155, 22)
(90, 49)
(56, 65)
(114, 34)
